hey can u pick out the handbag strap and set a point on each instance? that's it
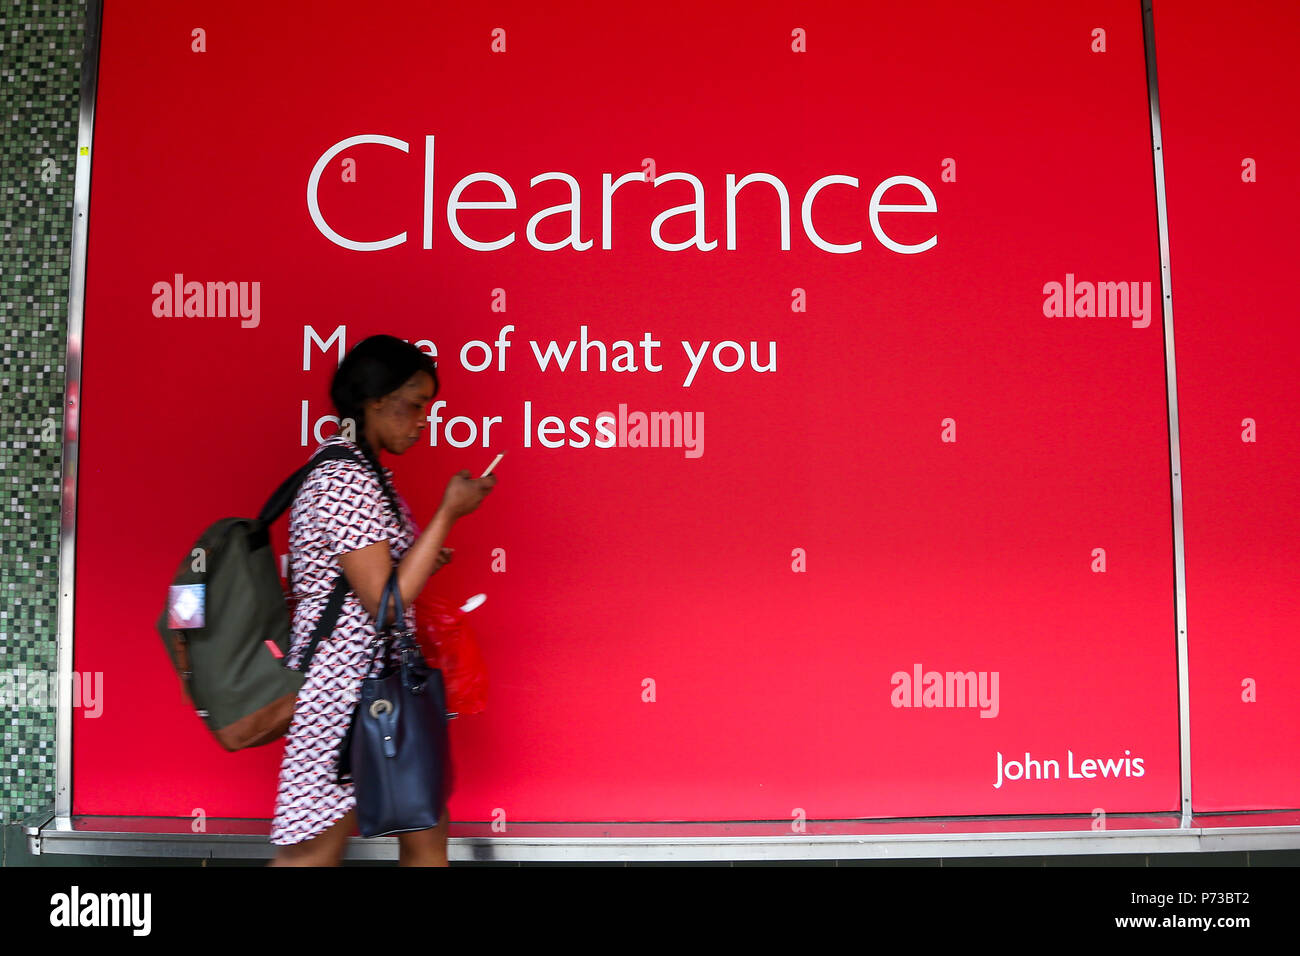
(393, 588)
(385, 628)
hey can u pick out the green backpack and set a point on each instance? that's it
(226, 623)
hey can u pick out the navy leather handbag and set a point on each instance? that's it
(396, 750)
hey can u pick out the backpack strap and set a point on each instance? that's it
(283, 496)
(329, 616)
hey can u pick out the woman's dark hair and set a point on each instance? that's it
(373, 368)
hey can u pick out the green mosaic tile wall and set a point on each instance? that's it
(40, 87)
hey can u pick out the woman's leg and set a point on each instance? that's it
(425, 847)
(323, 850)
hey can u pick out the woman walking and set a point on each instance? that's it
(348, 518)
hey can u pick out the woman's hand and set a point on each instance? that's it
(444, 556)
(464, 493)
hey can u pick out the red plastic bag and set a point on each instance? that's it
(445, 635)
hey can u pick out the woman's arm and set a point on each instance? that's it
(368, 568)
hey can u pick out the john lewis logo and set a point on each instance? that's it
(1086, 768)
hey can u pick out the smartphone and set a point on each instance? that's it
(495, 461)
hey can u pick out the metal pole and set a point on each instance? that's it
(1175, 455)
(72, 411)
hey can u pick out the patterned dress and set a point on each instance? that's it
(339, 508)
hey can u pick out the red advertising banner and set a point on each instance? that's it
(824, 343)
(1230, 169)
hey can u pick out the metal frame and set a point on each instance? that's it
(1171, 395)
(951, 838)
(72, 410)
(60, 832)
